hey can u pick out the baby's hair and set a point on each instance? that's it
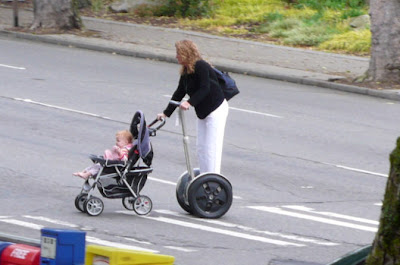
(126, 134)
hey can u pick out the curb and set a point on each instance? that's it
(168, 57)
(19, 240)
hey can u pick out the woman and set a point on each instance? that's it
(199, 81)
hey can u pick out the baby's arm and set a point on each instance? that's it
(124, 152)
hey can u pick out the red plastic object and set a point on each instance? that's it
(18, 254)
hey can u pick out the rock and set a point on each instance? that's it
(124, 6)
(360, 22)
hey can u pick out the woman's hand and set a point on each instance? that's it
(161, 116)
(185, 105)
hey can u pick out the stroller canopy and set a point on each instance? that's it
(140, 131)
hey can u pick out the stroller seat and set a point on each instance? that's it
(106, 162)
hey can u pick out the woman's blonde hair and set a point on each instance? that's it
(125, 134)
(189, 53)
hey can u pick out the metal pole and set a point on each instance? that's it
(186, 144)
(15, 7)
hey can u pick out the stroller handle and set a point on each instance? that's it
(152, 131)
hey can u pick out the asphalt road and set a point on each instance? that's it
(308, 165)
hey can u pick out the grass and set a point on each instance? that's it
(315, 24)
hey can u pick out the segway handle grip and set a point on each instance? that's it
(175, 103)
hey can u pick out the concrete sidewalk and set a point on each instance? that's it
(230, 54)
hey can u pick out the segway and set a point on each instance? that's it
(206, 195)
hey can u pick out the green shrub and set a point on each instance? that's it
(329, 4)
(352, 41)
(273, 16)
(307, 35)
(279, 28)
(97, 5)
(353, 12)
(185, 8)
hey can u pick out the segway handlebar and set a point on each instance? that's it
(185, 138)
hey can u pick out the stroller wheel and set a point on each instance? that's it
(210, 195)
(94, 206)
(128, 202)
(142, 205)
(80, 201)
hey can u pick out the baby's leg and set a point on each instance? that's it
(83, 174)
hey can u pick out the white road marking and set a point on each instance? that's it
(243, 110)
(135, 240)
(180, 249)
(88, 238)
(41, 218)
(12, 67)
(277, 210)
(60, 108)
(22, 223)
(249, 229)
(162, 181)
(362, 171)
(336, 215)
(256, 112)
(216, 230)
(98, 241)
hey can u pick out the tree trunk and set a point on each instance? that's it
(58, 14)
(385, 46)
(386, 246)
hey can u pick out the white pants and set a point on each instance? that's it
(210, 139)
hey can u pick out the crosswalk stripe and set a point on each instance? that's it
(217, 230)
(249, 229)
(336, 215)
(277, 210)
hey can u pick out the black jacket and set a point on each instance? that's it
(203, 89)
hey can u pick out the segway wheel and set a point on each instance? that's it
(180, 192)
(128, 202)
(94, 206)
(181, 188)
(80, 201)
(142, 205)
(210, 196)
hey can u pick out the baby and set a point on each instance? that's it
(118, 152)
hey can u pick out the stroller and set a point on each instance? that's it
(122, 179)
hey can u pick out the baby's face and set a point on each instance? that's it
(121, 141)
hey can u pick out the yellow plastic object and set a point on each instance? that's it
(101, 255)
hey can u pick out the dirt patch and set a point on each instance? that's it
(51, 31)
(370, 84)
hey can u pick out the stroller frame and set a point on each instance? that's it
(122, 179)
